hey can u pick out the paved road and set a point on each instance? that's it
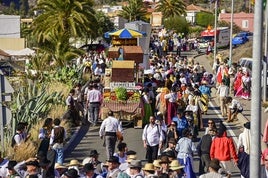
(87, 137)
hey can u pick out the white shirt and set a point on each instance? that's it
(18, 138)
(211, 175)
(223, 90)
(191, 107)
(98, 71)
(172, 97)
(244, 139)
(152, 134)
(183, 80)
(110, 124)
(3, 169)
(236, 104)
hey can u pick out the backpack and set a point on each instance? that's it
(13, 142)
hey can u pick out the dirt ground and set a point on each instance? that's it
(244, 50)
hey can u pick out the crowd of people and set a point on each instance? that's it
(175, 95)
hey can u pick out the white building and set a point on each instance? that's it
(191, 12)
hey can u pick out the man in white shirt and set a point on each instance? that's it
(109, 127)
(152, 137)
(93, 103)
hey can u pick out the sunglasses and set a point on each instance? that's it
(210, 122)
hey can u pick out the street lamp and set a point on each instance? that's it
(231, 35)
(215, 31)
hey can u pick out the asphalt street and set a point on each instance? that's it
(86, 138)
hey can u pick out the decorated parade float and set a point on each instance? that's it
(121, 93)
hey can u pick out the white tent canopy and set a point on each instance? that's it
(23, 52)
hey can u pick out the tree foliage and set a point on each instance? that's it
(105, 24)
(204, 19)
(171, 8)
(71, 18)
(133, 11)
(177, 23)
(60, 22)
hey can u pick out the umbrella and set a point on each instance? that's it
(127, 33)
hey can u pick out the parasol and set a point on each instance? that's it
(127, 33)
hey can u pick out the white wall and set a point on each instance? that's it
(9, 26)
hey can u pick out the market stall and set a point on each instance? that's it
(121, 95)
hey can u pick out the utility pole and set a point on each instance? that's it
(256, 90)
(264, 70)
(215, 31)
(231, 35)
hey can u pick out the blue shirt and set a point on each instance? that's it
(181, 124)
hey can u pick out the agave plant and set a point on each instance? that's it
(33, 103)
(70, 74)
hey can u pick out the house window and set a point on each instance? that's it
(244, 23)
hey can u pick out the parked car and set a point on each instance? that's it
(239, 39)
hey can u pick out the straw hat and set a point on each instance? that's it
(156, 163)
(87, 160)
(175, 165)
(159, 90)
(74, 162)
(60, 166)
(148, 167)
(131, 157)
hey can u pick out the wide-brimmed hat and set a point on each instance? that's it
(32, 163)
(11, 164)
(164, 159)
(74, 162)
(156, 163)
(113, 159)
(175, 165)
(44, 162)
(59, 166)
(93, 153)
(247, 125)
(87, 160)
(135, 164)
(159, 90)
(72, 173)
(131, 152)
(88, 167)
(148, 167)
(214, 164)
(204, 82)
(172, 140)
(131, 157)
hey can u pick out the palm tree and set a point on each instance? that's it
(58, 51)
(171, 8)
(133, 11)
(71, 18)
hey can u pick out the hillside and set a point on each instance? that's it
(244, 50)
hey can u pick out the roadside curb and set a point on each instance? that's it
(75, 139)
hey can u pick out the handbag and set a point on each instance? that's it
(119, 136)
